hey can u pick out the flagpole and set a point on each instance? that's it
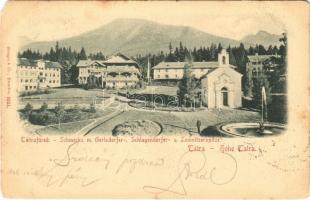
(266, 111)
(148, 69)
(262, 105)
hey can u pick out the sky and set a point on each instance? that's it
(57, 20)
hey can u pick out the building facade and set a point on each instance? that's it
(257, 65)
(221, 86)
(175, 70)
(37, 74)
(220, 82)
(118, 71)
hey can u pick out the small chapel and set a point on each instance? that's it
(221, 86)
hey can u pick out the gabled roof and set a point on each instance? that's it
(26, 62)
(50, 64)
(119, 58)
(211, 72)
(115, 59)
(33, 63)
(85, 63)
(261, 58)
(181, 65)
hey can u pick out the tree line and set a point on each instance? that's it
(68, 58)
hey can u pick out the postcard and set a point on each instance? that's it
(152, 99)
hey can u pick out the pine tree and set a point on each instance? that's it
(251, 51)
(248, 86)
(261, 50)
(186, 87)
(82, 55)
(219, 47)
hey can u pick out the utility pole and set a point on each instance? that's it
(148, 70)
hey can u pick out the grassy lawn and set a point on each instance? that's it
(167, 90)
(57, 93)
(68, 96)
(68, 128)
(71, 126)
(165, 119)
(179, 122)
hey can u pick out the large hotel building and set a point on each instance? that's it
(37, 74)
(118, 71)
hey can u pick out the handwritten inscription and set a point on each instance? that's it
(75, 165)
(195, 165)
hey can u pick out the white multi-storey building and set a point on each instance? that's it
(37, 74)
(175, 70)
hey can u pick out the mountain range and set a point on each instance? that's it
(137, 36)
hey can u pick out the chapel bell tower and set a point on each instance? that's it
(223, 58)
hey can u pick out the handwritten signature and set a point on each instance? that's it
(195, 165)
(61, 173)
(71, 169)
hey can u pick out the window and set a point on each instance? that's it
(167, 76)
(21, 80)
(34, 87)
(30, 87)
(26, 87)
(50, 81)
(26, 80)
(53, 81)
(158, 76)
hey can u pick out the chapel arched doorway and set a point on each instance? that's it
(224, 93)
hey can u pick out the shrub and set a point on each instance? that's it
(38, 91)
(27, 110)
(43, 118)
(44, 107)
(28, 107)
